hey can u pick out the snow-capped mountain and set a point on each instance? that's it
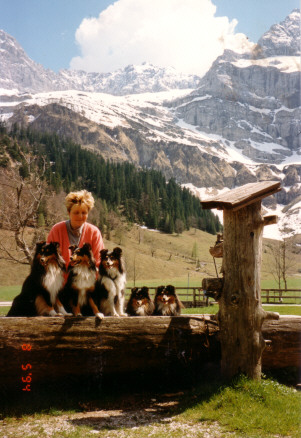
(240, 123)
(253, 102)
(19, 72)
(129, 80)
(282, 39)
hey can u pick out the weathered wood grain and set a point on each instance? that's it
(240, 312)
(66, 348)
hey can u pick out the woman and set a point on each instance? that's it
(76, 230)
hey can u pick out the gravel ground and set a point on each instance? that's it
(133, 417)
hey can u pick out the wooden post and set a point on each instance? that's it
(194, 297)
(240, 312)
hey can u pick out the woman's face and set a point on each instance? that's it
(78, 215)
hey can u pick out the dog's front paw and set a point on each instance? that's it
(63, 312)
(99, 315)
(123, 314)
(53, 313)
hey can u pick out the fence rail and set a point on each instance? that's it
(286, 296)
(194, 297)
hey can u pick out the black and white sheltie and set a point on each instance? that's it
(111, 282)
(78, 294)
(167, 302)
(140, 303)
(39, 294)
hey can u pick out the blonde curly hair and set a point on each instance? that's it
(79, 198)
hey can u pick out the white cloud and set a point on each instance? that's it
(184, 34)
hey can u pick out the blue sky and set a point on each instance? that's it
(63, 33)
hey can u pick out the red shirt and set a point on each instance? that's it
(90, 234)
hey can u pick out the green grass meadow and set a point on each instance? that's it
(240, 408)
(250, 408)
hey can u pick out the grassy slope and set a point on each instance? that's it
(153, 258)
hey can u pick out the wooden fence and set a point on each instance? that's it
(282, 296)
(194, 296)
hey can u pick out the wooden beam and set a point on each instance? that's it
(213, 284)
(270, 220)
(56, 349)
(242, 196)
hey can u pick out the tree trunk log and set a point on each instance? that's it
(53, 349)
(240, 312)
(285, 347)
(81, 346)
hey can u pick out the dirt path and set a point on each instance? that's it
(132, 417)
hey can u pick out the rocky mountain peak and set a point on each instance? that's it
(282, 39)
(20, 72)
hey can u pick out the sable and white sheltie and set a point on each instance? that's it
(140, 303)
(78, 294)
(111, 282)
(39, 294)
(167, 302)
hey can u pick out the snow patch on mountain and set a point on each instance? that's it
(287, 64)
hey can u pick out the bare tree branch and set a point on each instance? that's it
(20, 199)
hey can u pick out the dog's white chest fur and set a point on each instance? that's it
(53, 281)
(120, 281)
(141, 310)
(166, 308)
(114, 282)
(83, 280)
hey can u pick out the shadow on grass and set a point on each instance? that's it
(131, 401)
(132, 391)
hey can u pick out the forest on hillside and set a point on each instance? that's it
(142, 196)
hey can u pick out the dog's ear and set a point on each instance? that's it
(40, 244)
(72, 248)
(145, 291)
(87, 245)
(117, 252)
(159, 289)
(134, 290)
(171, 289)
(103, 253)
(56, 244)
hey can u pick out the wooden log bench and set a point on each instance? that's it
(52, 349)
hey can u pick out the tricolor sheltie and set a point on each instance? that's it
(39, 294)
(166, 301)
(140, 303)
(78, 294)
(111, 282)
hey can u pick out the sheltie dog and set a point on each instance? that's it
(166, 301)
(140, 303)
(111, 282)
(78, 294)
(39, 294)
